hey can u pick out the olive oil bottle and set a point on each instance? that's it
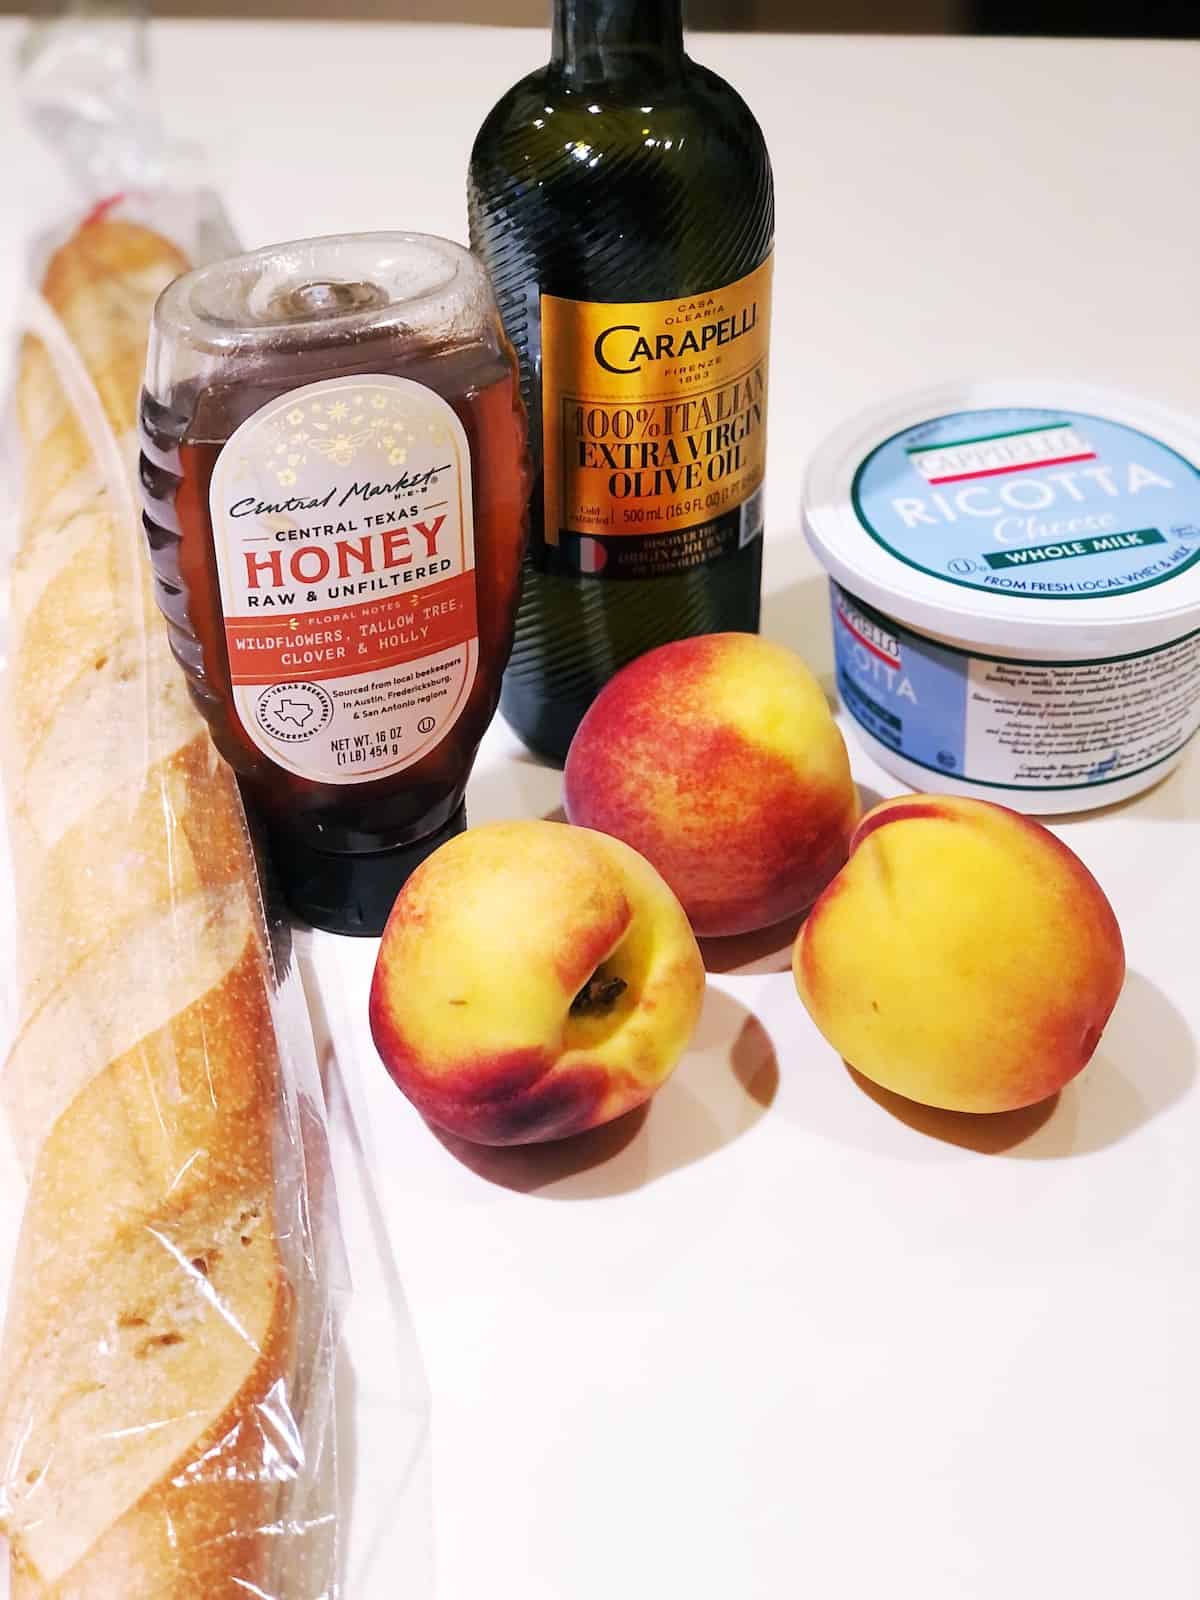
(621, 198)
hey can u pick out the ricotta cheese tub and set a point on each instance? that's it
(1016, 589)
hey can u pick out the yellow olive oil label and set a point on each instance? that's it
(654, 422)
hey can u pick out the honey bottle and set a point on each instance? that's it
(334, 483)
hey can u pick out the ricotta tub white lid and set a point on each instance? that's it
(1053, 518)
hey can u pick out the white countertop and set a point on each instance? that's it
(778, 1338)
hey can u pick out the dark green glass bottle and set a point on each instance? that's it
(621, 198)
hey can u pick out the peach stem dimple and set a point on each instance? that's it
(598, 995)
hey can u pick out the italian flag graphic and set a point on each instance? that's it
(1054, 444)
(877, 640)
(592, 556)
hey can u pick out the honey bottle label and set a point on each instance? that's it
(342, 528)
(654, 430)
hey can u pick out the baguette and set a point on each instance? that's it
(151, 1329)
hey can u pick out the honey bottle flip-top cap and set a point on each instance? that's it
(316, 293)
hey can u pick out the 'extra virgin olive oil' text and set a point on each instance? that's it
(654, 422)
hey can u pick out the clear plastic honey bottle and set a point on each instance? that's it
(334, 480)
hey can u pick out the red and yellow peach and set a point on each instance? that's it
(964, 957)
(718, 760)
(534, 980)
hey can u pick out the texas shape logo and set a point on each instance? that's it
(293, 712)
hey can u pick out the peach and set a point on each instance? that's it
(533, 980)
(964, 957)
(717, 758)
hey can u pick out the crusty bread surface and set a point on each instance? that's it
(143, 1377)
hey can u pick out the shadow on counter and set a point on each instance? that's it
(719, 1092)
(1105, 1104)
(798, 616)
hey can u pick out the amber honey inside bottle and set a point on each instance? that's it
(334, 481)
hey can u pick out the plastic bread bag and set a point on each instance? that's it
(171, 1407)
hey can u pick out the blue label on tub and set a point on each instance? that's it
(911, 696)
(1009, 724)
(1045, 505)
